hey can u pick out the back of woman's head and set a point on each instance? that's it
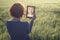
(17, 10)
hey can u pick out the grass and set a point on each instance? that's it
(46, 25)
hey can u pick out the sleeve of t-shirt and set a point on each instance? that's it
(28, 28)
(9, 27)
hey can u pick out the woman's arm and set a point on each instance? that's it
(31, 22)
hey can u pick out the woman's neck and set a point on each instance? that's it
(16, 19)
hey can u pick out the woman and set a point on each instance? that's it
(19, 30)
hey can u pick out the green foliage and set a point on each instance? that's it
(3, 30)
(47, 24)
(45, 27)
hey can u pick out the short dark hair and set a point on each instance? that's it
(17, 10)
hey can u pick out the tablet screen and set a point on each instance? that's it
(30, 11)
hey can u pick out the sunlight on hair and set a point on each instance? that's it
(23, 7)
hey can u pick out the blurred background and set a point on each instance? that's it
(46, 25)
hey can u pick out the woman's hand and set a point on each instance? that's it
(33, 18)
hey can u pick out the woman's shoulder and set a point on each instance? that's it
(9, 21)
(15, 21)
(24, 22)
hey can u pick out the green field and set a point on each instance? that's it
(46, 25)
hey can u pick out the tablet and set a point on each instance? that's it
(30, 11)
